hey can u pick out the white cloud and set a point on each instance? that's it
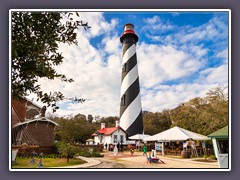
(153, 20)
(97, 69)
(170, 96)
(96, 21)
(96, 75)
(156, 24)
(223, 55)
(158, 64)
(112, 45)
(213, 30)
(217, 75)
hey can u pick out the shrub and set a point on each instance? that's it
(212, 157)
(89, 152)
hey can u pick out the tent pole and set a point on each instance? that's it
(163, 148)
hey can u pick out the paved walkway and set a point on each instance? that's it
(90, 162)
(125, 160)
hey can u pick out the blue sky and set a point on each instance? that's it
(181, 55)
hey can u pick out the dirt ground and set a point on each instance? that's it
(125, 160)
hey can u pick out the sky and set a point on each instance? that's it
(181, 55)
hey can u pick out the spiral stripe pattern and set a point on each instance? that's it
(130, 108)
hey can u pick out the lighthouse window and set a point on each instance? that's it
(124, 69)
(123, 100)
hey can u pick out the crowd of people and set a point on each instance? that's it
(151, 156)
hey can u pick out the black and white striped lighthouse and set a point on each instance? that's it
(130, 107)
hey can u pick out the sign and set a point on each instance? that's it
(158, 146)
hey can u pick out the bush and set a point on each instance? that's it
(89, 152)
(66, 150)
(212, 157)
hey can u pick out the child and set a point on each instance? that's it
(148, 158)
(131, 151)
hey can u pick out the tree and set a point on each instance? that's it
(203, 115)
(110, 121)
(66, 149)
(156, 122)
(35, 39)
(75, 129)
(90, 118)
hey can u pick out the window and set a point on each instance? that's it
(123, 100)
(124, 68)
(115, 139)
(121, 138)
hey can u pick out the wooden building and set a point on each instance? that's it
(30, 127)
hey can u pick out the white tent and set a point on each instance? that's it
(175, 134)
(139, 136)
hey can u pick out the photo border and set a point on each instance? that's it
(123, 10)
(4, 92)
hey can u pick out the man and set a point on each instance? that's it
(144, 150)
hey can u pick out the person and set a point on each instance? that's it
(40, 161)
(121, 147)
(131, 150)
(106, 146)
(32, 160)
(118, 146)
(144, 150)
(148, 158)
(115, 150)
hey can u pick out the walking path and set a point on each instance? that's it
(125, 160)
(90, 162)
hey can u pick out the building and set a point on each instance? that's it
(221, 146)
(89, 141)
(111, 135)
(30, 127)
(130, 105)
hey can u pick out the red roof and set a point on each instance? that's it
(106, 131)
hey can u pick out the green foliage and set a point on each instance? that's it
(47, 162)
(212, 157)
(35, 40)
(90, 152)
(156, 122)
(75, 129)
(203, 115)
(66, 149)
(110, 121)
(90, 118)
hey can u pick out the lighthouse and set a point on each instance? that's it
(130, 104)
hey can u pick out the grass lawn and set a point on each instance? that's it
(47, 162)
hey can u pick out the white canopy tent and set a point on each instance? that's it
(176, 134)
(139, 136)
